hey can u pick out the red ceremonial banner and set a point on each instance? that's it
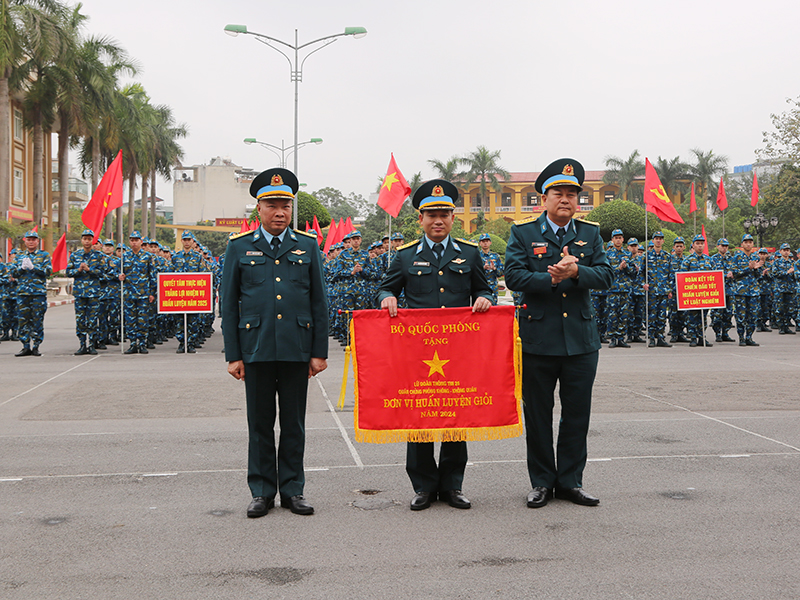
(440, 374)
(185, 293)
(700, 289)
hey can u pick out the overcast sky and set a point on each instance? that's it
(436, 78)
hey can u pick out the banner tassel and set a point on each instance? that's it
(347, 357)
(517, 362)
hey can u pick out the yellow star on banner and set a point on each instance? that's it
(390, 179)
(435, 364)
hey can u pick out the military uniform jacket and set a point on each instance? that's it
(275, 305)
(32, 282)
(783, 280)
(697, 262)
(455, 280)
(140, 279)
(722, 262)
(5, 282)
(623, 278)
(87, 284)
(746, 278)
(658, 270)
(558, 321)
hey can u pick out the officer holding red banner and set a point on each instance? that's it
(436, 271)
(556, 260)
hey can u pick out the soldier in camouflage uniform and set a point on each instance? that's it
(87, 270)
(658, 277)
(618, 304)
(636, 323)
(696, 319)
(796, 306)
(9, 306)
(5, 285)
(188, 260)
(353, 269)
(763, 320)
(492, 264)
(783, 275)
(745, 266)
(109, 298)
(332, 287)
(722, 318)
(139, 291)
(31, 269)
(677, 318)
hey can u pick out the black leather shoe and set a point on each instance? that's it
(91, 350)
(101, 346)
(24, 352)
(662, 343)
(260, 506)
(297, 504)
(81, 351)
(706, 343)
(35, 351)
(577, 495)
(622, 344)
(651, 343)
(635, 340)
(693, 343)
(742, 343)
(539, 496)
(191, 350)
(143, 350)
(455, 499)
(180, 349)
(727, 338)
(718, 339)
(422, 500)
(673, 339)
(132, 350)
(681, 338)
(612, 344)
(150, 346)
(790, 332)
(750, 342)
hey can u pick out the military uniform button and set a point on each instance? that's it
(277, 262)
(441, 273)
(564, 294)
(252, 262)
(247, 326)
(529, 317)
(277, 279)
(279, 296)
(562, 255)
(441, 290)
(443, 306)
(281, 316)
(565, 315)
(300, 261)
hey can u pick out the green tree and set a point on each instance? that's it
(673, 173)
(449, 170)
(623, 172)
(783, 144)
(498, 243)
(483, 168)
(706, 171)
(780, 199)
(216, 241)
(167, 153)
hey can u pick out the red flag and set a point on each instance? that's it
(754, 195)
(392, 196)
(692, 201)
(722, 199)
(315, 226)
(349, 226)
(705, 243)
(36, 229)
(307, 226)
(655, 198)
(245, 226)
(332, 234)
(60, 255)
(107, 197)
(254, 225)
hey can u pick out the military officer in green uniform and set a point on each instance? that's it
(556, 260)
(436, 271)
(275, 327)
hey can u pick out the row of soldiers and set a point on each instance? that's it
(97, 268)
(760, 289)
(353, 274)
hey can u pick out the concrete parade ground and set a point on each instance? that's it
(124, 477)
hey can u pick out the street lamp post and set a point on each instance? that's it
(296, 67)
(760, 225)
(281, 150)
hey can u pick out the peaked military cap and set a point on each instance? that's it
(785, 246)
(722, 242)
(698, 238)
(31, 234)
(746, 237)
(87, 232)
(108, 242)
(616, 232)
(135, 235)
(187, 234)
(354, 233)
(658, 234)
(484, 236)
(633, 242)
(436, 194)
(678, 240)
(275, 183)
(763, 251)
(398, 236)
(564, 171)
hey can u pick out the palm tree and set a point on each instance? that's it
(449, 170)
(168, 154)
(483, 169)
(25, 26)
(623, 172)
(673, 173)
(707, 171)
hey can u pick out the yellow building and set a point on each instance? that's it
(518, 199)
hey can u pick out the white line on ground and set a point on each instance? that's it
(720, 421)
(342, 430)
(49, 380)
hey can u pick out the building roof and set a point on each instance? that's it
(530, 176)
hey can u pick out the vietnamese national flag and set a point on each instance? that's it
(315, 226)
(60, 255)
(754, 195)
(692, 201)
(722, 199)
(655, 198)
(107, 197)
(391, 196)
(705, 243)
(245, 226)
(331, 239)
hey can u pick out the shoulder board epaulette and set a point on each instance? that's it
(238, 235)
(311, 235)
(468, 242)
(526, 220)
(409, 244)
(587, 222)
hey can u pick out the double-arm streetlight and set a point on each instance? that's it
(296, 65)
(761, 223)
(281, 150)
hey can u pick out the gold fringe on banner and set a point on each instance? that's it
(517, 362)
(472, 434)
(348, 354)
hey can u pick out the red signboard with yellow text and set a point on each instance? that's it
(185, 293)
(700, 289)
(443, 374)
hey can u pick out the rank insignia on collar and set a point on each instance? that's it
(458, 261)
(298, 252)
(580, 243)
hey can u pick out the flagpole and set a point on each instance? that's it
(122, 303)
(646, 281)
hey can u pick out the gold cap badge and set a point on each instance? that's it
(568, 170)
(437, 191)
(276, 180)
